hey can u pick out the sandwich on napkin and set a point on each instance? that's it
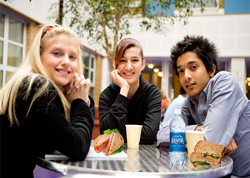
(207, 154)
(111, 142)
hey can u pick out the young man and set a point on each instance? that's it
(215, 100)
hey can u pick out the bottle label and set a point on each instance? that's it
(177, 141)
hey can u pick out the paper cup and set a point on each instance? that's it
(133, 135)
(133, 161)
(192, 137)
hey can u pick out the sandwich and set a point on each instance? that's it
(111, 142)
(115, 142)
(200, 161)
(100, 143)
(207, 154)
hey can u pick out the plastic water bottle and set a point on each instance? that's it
(177, 153)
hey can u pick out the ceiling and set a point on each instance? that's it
(157, 61)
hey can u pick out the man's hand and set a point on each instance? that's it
(231, 148)
(198, 128)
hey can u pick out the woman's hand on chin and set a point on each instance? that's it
(78, 88)
(121, 82)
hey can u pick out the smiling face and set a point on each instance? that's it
(130, 65)
(59, 58)
(193, 75)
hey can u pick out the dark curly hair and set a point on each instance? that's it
(200, 45)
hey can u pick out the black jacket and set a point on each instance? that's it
(44, 130)
(144, 108)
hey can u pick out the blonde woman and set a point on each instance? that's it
(45, 105)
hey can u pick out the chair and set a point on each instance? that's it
(96, 131)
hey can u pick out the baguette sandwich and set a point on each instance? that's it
(207, 154)
(111, 142)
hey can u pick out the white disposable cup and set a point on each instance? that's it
(133, 135)
(192, 137)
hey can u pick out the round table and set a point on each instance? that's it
(147, 160)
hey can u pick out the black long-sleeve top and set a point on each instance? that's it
(44, 130)
(116, 110)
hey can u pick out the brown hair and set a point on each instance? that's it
(123, 45)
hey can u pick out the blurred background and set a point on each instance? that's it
(156, 24)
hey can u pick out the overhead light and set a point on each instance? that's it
(151, 66)
(156, 70)
(160, 74)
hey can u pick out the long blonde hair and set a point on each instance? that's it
(32, 69)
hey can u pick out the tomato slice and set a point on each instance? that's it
(109, 144)
(101, 148)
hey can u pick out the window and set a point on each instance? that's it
(12, 46)
(89, 64)
(237, 7)
(154, 8)
(210, 7)
(167, 7)
(207, 3)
